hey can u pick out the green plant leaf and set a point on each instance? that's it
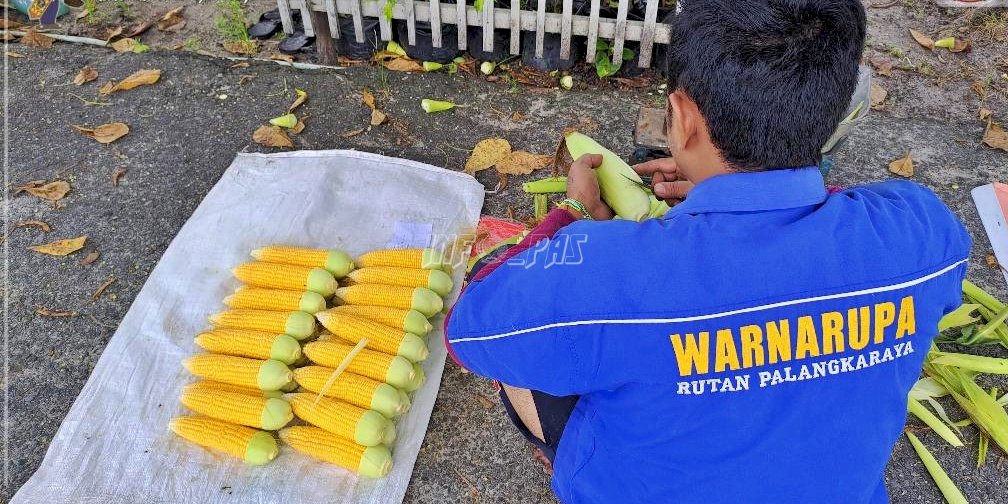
(628, 54)
(918, 410)
(387, 11)
(948, 489)
(478, 4)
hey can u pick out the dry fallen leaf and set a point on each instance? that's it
(995, 136)
(117, 175)
(922, 39)
(242, 47)
(240, 64)
(903, 166)
(124, 45)
(46, 312)
(101, 288)
(272, 136)
(172, 21)
(34, 223)
(961, 46)
(112, 33)
(984, 113)
(992, 261)
(53, 191)
(368, 98)
(139, 78)
(106, 88)
(299, 127)
(878, 96)
(523, 163)
(12, 54)
(353, 132)
(377, 117)
(140, 29)
(245, 79)
(35, 39)
(302, 97)
(8, 24)
(60, 247)
(90, 258)
(7, 36)
(86, 74)
(487, 153)
(883, 66)
(106, 133)
(517, 117)
(282, 57)
(486, 403)
(397, 63)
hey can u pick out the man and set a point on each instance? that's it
(755, 345)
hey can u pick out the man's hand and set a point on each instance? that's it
(582, 185)
(666, 182)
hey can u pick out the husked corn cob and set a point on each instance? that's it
(286, 276)
(380, 337)
(252, 344)
(211, 385)
(276, 300)
(296, 324)
(354, 389)
(334, 261)
(420, 299)
(408, 320)
(417, 381)
(405, 258)
(253, 446)
(261, 374)
(373, 461)
(259, 412)
(364, 426)
(435, 280)
(392, 369)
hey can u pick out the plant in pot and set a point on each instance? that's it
(551, 59)
(348, 45)
(423, 47)
(604, 66)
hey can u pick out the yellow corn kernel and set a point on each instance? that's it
(336, 262)
(380, 337)
(252, 373)
(373, 462)
(259, 412)
(286, 277)
(404, 258)
(354, 389)
(296, 324)
(227, 387)
(276, 300)
(364, 426)
(408, 320)
(253, 446)
(420, 299)
(252, 344)
(435, 280)
(392, 369)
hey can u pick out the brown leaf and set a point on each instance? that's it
(517, 117)
(398, 63)
(35, 39)
(487, 153)
(8, 24)
(242, 47)
(302, 97)
(377, 117)
(245, 79)
(240, 64)
(139, 78)
(90, 258)
(140, 29)
(86, 74)
(486, 403)
(46, 312)
(523, 163)
(272, 136)
(368, 98)
(352, 133)
(12, 54)
(298, 127)
(922, 39)
(878, 96)
(961, 46)
(101, 288)
(124, 45)
(883, 66)
(34, 223)
(980, 89)
(173, 20)
(903, 166)
(995, 136)
(106, 88)
(984, 113)
(53, 191)
(992, 261)
(112, 33)
(7, 36)
(118, 175)
(106, 133)
(282, 57)
(60, 247)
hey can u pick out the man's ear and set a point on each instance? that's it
(682, 121)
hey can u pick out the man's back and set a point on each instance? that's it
(755, 345)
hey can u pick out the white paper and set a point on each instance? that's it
(114, 445)
(995, 221)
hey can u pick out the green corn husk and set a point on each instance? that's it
(959, 318)
(918, 410)
(978, 363)
(549, 185)
(994, 324)
(948, 488)
(984, 411)
(541, 204)
(926, 388)
(981, 296)
(999, 335)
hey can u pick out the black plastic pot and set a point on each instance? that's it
(551, 52)
(424, 49)
(630, 68)
(347, 44)
(660, 55)
(501, 44)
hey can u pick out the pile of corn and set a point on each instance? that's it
(267, 361)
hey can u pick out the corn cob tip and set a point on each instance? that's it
(300, 325)
(416, 323)
(312, 302)
(418, 379)
(439, 282)
(405, 400)
(261, 449)
(371, 428)
(400, 372)
(390, 434)
(389, 401)
(376, 462)
(413, 347)
(427, 301)
(322, 282)
(273, 375)
(285, 349)
(339, 263)
(276, 414)
(291, 386)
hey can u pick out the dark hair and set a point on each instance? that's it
(772, 78)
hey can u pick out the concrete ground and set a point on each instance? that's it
(185, 130)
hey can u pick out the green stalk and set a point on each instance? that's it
(918, 410)
(546, 186)
(941, 478)
(981, 296)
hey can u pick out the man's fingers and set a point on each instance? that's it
(587, 161)
(672, 190)
(663, 165)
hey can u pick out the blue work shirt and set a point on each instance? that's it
(755, 345)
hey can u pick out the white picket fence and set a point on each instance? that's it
(619, 29)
